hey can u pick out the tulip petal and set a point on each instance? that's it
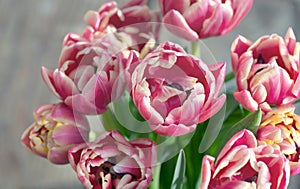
(47, 76)
(176, 23)
(206, 172)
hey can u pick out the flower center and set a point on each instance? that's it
(107, 168)
(260, 59)
(39, 136)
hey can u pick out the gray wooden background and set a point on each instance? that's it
(31, 32)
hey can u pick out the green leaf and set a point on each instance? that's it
(250, 122)
(194, 158)
(110, 122)
(167, 170)
(134, 111)
(213, 128)
(229, 77)
(179, 174)
(121, 110)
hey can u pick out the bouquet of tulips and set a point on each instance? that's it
(167, 118)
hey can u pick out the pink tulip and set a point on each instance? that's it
(174, 91)
(267, 71)
(191, 19)
(91, 74)
(113, 162)
(134, 22)
(243, 164)
(55, 130)
(281, 129)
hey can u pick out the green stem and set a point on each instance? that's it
(156, 176)
(297, 101)
(229, 77)
(196, 49)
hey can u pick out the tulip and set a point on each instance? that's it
(267, 71)
(191, 19)
(244, 164)
(55, 130)
(281, 129)
(91, 74)
(113, 162)
(174, 91)
(134, 22)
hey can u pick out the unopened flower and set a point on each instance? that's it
(193, 19)
(243, 164)
(267, 71)
(113, 162)
(281, 129)
(55, 130)
(174, 91)
(91, 74)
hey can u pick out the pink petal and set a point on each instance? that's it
(243, 137)
(83, 105)
(132, 3)
(219, 72)
(68, 135)
(64, 85)
(176, 23)
(169, 5)
(58, 155)
(214, 107)
(241, 9)
(47, 76)
(212, 25)
(195, 15)
(244, 97)
(173, 129)
(238, 47)
(25, 140)
(206, 172)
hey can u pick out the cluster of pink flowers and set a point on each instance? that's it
(267, 77)
(173, 91)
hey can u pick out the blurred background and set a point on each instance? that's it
(31, 33)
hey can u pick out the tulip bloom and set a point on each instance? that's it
(113, 162)
(191, 19)
(134, 22)
(91, 74)
(281, 129)
(267, 71)
(243, 164)
(174, 91)
(55, 130)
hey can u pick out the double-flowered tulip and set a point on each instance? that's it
(56, 129)
(91, 74)
(174, 91)
(281, 129)
(135, 22)
(244, 164)
(267, 71)
(113, 162)
(194, 19)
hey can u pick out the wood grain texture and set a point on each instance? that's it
(31, 33)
